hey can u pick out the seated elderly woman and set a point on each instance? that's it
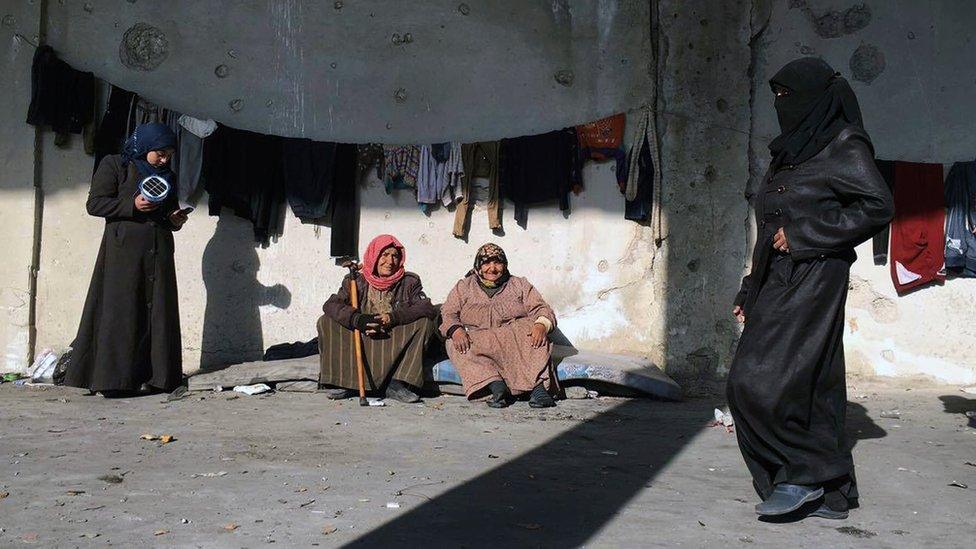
(395, 318)
(497, 326)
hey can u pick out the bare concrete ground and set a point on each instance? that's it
(298, 470)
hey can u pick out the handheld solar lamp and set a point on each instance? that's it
(155, 189)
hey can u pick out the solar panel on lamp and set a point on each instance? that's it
(154, 188)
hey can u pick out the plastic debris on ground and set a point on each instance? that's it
(891, 414)
(42, 371)
(164, 439)
(392, 505)
(11, 377)
(255, 389)
(375, 402)
(724, 419)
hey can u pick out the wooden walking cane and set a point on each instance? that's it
(357, 339)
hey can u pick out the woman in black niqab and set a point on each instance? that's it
(821, 197)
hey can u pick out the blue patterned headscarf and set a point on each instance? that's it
(149, 137)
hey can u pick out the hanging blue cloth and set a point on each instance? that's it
(149, 137)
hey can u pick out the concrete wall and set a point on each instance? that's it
(614, 287)
(16, 180)
(911, 65)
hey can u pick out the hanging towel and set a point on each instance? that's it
(309, 169)
(402, 164)
(61, 97)
(879, 243)
(540, 168)
(960, 198)
(111, 130)
(917, 236)
(243, 171)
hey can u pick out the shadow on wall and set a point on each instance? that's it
(955, 404)
(232, 330)
(558, 494)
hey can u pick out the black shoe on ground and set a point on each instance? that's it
(500, 397)
(787, 498)
(339, 393)
(827, 513)
(541, 398)
(398, 390)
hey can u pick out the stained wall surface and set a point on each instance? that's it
(911, 65)
(616, 285)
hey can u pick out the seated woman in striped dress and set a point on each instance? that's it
(395, 318)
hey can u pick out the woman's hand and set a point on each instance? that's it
(739, 313)
(385, 320)
(178, 218)
(462, 343)
(539, 335)
(144, 205)
(779, 241)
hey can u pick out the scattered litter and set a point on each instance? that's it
(4, 494)
(364, 500)
(165, 439)
(328, 529)
(891, 414)
(96, 508)
(307, 503)
(210, 475)
(11, 376)
(529, 526)
(392, 505)
(160, 532)
(971, 389)
(255, 389)
(856, 532)
(724, 419)
(230, 527)
(89, 535)
(375, 402)
(391, 473)
(75, 492)
(111, 479)
(702, 524)
(492, 456)
(185, 521)
(42, 371)
(971, 464)
(609, 452)
(957, 484)
(576, 393)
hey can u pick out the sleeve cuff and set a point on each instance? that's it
(545, 322)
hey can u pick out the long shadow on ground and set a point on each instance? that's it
(564, 491)
(560, 493)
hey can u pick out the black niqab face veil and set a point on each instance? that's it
(816, 103)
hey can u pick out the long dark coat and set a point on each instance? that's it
(130, 328)
(786, 388)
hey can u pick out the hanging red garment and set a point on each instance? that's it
(917, 231)
(606, 133)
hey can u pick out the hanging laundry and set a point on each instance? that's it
(540, 168)
(641, 208)
(61, 97)
(343, 210)
(432, 176)
(243, 171)
(455, 172)
(192, 132)
(917, 236)
(478, 161)
(309, 169)
(603, 140)
(368, 156)
(879, 244)
(402, 164)
(960, 199)
(111, 132)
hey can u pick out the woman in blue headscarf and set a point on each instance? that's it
(128, 340)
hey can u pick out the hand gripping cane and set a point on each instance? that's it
(357, 339)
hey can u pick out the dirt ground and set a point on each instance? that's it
(298, 470)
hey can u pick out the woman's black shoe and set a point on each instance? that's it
(499, 395)
(541, 398)
(397, 390)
